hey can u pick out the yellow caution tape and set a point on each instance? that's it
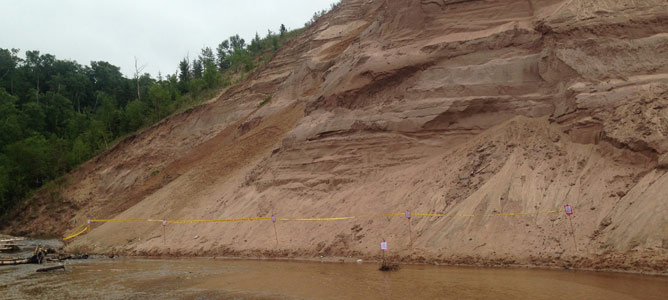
(78, 228)
(76, 234)
(219, 220)
(490, 215)
(382, 215)
(81, 229)
(122, 220)
(339, 218)
(316, 219)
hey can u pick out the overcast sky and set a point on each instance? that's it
(158, 32)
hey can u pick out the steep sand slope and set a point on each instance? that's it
(438, 106)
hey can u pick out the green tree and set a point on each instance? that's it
(108, 114)
(11, 129)
(211, 75)
(78, 88)
(30, 160)
(58, 160)
(5, 195)
(135, 113)
(59, 110)
(207, 56)
(184, 74)
(222, 51)
(184, 70)
(196, 87)
(107, 78)
(76, 125)
(159, 97)
(96, 136)
(256, 44)
(8, 62)
(274, 43)
(79, 153)
(172, 84)
(34, 117)
(237, 43)
(145, 82)
(241, 60)
(197, 68)
(34, 63)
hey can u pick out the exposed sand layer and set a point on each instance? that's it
(438, 106)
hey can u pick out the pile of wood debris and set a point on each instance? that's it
(40, 254)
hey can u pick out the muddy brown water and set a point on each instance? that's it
(135, 278)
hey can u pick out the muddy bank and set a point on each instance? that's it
(630, 263)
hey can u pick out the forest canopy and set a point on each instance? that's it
(56, 114)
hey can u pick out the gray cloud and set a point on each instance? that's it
(158, 32)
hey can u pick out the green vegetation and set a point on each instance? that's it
(56, 114)
(265, 101)
(318, 14)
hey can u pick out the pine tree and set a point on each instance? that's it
(237, 43)
(282, 30)
(184, 70)
(256, 44)
(223, 52)
(207, 56)
(197, 68)
(211, 76)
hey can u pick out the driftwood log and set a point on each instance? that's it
(11, 240)
(9, 248)
(8, 245)
(38, 257)
(13, 261)
(59, 267)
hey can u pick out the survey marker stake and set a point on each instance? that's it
(273, 220)
(164, 237)
(568, 209)
(410, 230)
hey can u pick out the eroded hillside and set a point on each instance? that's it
(438, 106)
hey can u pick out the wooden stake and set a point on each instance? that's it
(410, 234)
(273, 220)
(276, 235)
(573, 233)
(410, 230)
(383, 253)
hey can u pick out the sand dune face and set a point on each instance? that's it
(438, 106)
